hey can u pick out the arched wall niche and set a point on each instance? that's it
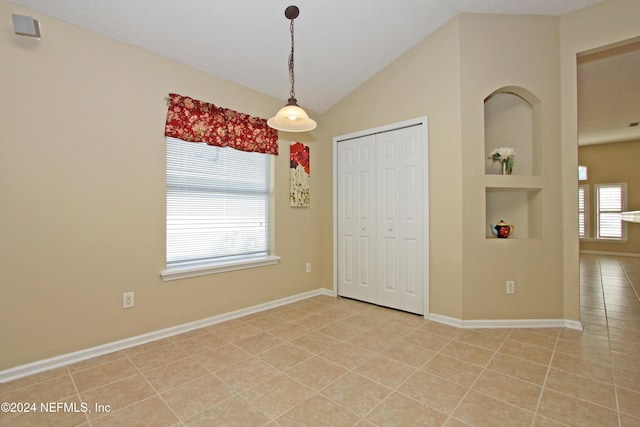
(512, 119)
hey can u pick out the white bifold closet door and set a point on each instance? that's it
(381, 227)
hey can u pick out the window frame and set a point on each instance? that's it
(623, 231)
(585, 211)
(199, 267)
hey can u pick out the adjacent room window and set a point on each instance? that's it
(218, 205)
(610, 203)
(583, 211)
(582, 173)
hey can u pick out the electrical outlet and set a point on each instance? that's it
(308, 267)
(127, 300)
(511, 287)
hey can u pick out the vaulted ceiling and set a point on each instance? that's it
(339, 44)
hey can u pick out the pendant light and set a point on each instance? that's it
(292, 118)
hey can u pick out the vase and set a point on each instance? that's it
(506, 166)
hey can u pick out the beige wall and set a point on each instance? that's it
(606, 23)
(608, 164)
(82, 179)
(493, 57)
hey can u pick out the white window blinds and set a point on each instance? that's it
(582, 203)
(217, 203)
(610, 203)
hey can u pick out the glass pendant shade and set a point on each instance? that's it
(292, 118)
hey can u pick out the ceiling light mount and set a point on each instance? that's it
(292, 118)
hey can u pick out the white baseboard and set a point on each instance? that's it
(78, 356)
(611, 253)
(509, 323)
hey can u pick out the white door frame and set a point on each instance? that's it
(422, 121)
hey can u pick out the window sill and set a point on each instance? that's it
(594, 240)
(183, 272)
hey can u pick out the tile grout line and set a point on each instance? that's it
(613, 371)
(544, 382)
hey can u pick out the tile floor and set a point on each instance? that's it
(337, 362)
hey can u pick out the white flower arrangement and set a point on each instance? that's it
(504, 156)
(502, 153)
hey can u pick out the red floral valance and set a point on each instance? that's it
(196, 121)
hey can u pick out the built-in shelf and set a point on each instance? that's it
(511, 119)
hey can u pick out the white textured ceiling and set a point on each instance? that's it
(609, 95)
(339, 43)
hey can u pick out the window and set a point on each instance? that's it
(582, 173)
(610, 203)
(583, 212)
(218, 209)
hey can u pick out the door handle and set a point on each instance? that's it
(390, 228)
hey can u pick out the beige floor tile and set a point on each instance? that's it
(33, 379)
(398, 410)
(629, 401)
(95, 361)
(103, 374)
(356, 393)
(347, 355)
(385, 371)
(341, 330)
(525, 351)
(370, 341)
(519, 368)
(289, 332)
(157, 358)
(433, 391)
(627, 379)
(175, 374)
(316, 372)
(594, 351)
(454, 422)
(317, 411)
(221, 357)
(285, 356)
(590, 369)
(582, 388)
(315, 342)
(426, 340)
(234, 411)
(522, 394)
(259, 343)
(312, 322)
(266, 321)
(480, 410)
(467, 353)
(234, 330)
(152, 411)
(408, 354)
(537, 339)
(201, 343)
(481, 339)
(453, 370)
(630, 362)
(392, 330)
(277, 395)
(192, 398)
(363, 321)
(246, 374)
(118, 395)
(629, 421)
(290, 314)
(575, 412)
(440, 329)
(541, 421)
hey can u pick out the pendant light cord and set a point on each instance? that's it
(292, 93)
